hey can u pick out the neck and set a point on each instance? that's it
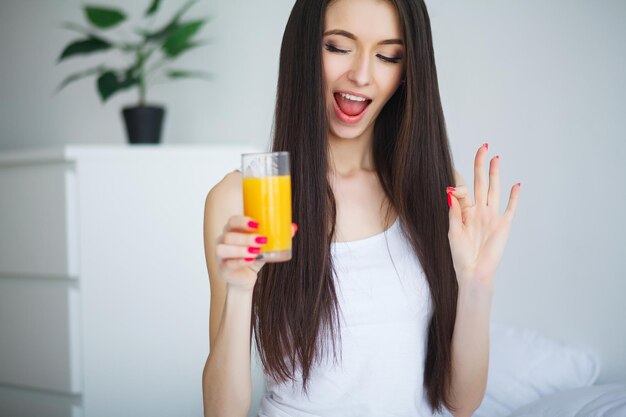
(349, 156)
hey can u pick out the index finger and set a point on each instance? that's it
(241, 223)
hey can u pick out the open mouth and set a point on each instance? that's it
(350, 108)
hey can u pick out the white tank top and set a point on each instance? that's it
(384, 313)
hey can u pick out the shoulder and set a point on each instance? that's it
(227, 192)
(223, 200)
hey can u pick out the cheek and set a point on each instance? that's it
(334, 67)
(389, 79)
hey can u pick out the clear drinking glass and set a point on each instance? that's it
(267, 199)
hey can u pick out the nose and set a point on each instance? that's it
(360, 71)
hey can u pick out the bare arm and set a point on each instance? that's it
(477, 235)
(470, 340)
(226, 379)
(470, 347)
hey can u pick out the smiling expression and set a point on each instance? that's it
(362, 59)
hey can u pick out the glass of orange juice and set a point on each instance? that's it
(267, 199)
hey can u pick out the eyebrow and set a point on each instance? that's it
(353, 37)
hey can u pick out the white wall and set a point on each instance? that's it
(542, 82)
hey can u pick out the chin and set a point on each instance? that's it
(347, 132)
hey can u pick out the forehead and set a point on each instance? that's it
(367, 19)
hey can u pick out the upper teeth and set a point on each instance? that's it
(351, 97)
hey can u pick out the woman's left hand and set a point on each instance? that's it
(478, 233)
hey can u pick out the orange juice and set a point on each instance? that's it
(268, 201)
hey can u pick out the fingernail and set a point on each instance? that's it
(497, 156)
(449, 200)
(295, 227)
(519, 184)
(253, 224)
(249, 259)
(261, 239)
(486, 145)
(252, 249)
(450, 189)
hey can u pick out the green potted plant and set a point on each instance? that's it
(151, 53)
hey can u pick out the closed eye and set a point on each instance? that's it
(333, 48)
(387, 59)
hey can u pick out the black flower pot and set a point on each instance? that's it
(143, 123)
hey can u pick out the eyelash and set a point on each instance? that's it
(332, 48)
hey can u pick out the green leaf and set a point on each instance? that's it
(78, 76)
(179, 40)
(109, 83)
(104, 17)
(170, 26)
(186, 47)
(85, 46)
(189, 74)
(153, 7)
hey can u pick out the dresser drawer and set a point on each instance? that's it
(16, 402)
(38, 220)
(39, 328)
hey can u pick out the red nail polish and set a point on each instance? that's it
(450, 189)
(295, 227)
(449, 200)
(253, 224)
(260, 239)
(252, 249)
(249, 259)
(486, 145)
(519, 184)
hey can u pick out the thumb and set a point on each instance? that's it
(456, 221)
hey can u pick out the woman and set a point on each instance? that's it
(395, 281)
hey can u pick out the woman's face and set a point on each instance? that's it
(362, 58)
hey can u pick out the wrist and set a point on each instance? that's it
(475, 291)
(239, 291)
(475, 282)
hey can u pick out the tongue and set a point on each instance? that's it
(349, 107)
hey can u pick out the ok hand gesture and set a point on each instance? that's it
(478, 232)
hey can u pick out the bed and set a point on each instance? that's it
(533, 376)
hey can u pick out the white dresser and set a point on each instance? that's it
(104, 293)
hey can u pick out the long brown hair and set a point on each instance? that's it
(294, 307)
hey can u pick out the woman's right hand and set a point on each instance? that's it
(237, 249)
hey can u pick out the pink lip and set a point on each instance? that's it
(344, 117)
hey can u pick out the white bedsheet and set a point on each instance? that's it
(594, 401)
